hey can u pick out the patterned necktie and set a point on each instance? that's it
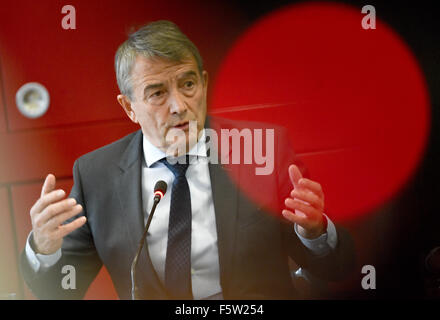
(178, 257)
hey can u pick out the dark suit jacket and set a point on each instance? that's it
(253, 246)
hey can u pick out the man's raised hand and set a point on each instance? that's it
(49, 213)
(305, 205)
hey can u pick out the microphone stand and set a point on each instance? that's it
(134, 289)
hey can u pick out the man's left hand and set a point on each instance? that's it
(305, 205)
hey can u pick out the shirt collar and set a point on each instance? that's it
(152, 154)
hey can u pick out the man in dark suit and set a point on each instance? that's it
(208, 239)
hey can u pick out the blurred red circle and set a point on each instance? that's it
(354, 100)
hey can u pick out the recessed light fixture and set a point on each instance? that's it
(32, 100)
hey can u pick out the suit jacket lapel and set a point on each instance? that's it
(225, 198)
(224, 195)
(129, 191)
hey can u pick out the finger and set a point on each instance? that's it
(59, 219)
(289, 215)
(65, 229)
(46, 200)
(311, 185)
(48, 185)
(54, 209)
(295, 175)
(307, 209)
(309, 197)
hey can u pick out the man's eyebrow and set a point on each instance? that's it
(188, 74)
(152, 86)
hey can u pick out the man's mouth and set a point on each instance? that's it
(182, 126)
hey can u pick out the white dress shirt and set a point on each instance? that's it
(205, 271)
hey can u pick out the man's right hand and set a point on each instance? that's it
(49, 213)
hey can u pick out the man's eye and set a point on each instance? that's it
(156, 94)
(189, 84)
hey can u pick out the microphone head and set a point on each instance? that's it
(160, 189)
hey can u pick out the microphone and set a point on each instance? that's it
(159, 191)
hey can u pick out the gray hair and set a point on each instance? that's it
(157, 39)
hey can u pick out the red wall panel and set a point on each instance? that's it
(30, 155)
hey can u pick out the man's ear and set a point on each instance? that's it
(205, 79)
(125, 103)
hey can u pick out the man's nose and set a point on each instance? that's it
(177, 104)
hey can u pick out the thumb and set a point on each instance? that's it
(294, 175)
(49, 184)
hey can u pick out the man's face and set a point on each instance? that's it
(166, 95)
